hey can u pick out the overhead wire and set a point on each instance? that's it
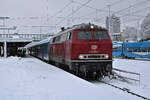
(86, 5)
(76, 2)
(134, 5)
(131, 6)
(140, 10)
(99, 10)
(39, 17)
(61, 10)
(137, 11)
(75, 11)
(139, 17)
(124, 9)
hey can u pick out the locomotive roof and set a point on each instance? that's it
(87, 26)
(80, 27)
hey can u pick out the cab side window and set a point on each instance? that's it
(69, 37)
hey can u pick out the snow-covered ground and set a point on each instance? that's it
(137, 66)
(142, 67)
(31, 79)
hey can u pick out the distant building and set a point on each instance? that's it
(114, 23)
(129, 34)
(117, 37)
(145, 28)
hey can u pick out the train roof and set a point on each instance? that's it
(31, 44)
(45, 40)
(37, 43)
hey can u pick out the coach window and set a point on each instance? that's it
(148, 49)
(115, 50)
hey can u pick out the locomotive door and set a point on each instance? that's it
(63, 47)
(68, 46)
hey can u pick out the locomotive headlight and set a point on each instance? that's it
(106, 56)
(92, 26)
(81, 56)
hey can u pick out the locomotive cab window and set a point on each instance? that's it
(100, 35)
(54, 39)
(57, 39)
(69, 37)
(84, 35)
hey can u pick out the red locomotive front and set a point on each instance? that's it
(86, 49)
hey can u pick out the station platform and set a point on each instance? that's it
(31, 79)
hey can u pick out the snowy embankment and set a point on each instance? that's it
(31, 79)
(137, 66)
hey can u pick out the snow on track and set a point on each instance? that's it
(137, 66)
(31, 79)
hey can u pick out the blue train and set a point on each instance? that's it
(39, 49)
(132, 49)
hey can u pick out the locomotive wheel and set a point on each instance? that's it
(77, 72)
(96, 76)
(72, 72)
(85, 74)
(57, 64)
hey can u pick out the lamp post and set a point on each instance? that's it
(109, 21)
(4, 18)
(5, 42)
(5, 48)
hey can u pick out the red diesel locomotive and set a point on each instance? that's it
(85, 49)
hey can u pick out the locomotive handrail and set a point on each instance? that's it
(125, 71)
(138, 74)
(128, 78)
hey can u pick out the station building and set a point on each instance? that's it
(9, 43)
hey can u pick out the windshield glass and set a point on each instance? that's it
(84, 35)
(100, 35)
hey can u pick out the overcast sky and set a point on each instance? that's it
(57, 13)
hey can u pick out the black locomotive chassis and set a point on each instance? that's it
(91, 66)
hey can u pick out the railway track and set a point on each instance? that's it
(134, 59)
(116, 76)
(126, 90)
